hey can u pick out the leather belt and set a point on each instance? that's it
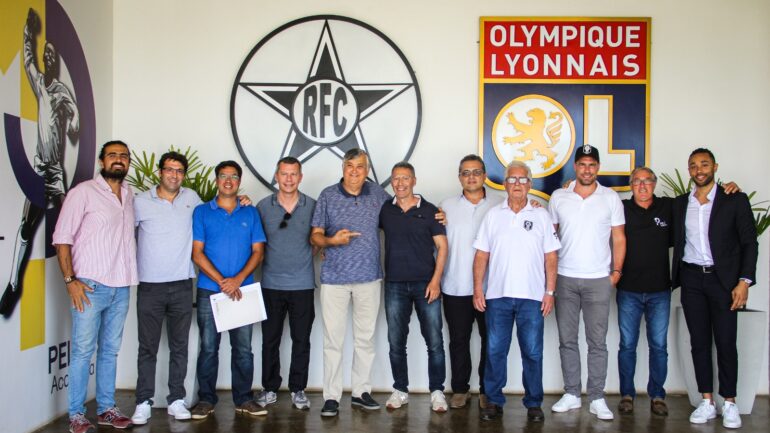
(699, 268)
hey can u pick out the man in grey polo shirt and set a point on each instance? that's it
(164, 247)
(345, 223)
(465, 212)
(288, 282)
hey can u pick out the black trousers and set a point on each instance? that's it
(154, 302)
(299, 304)
(460, 314)
(706, 307)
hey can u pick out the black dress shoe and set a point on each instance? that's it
(491, 412)
(535, 414)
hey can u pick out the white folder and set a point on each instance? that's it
(229, 314)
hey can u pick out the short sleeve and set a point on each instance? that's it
(618, 216)
(319, 214)
(550, 237)
(482, 236)
(72, 213)
(257, 232)
(199, 223)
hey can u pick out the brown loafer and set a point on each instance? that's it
(459, 400)
(626, 405)
(658, 407)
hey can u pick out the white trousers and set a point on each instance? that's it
(334, 310)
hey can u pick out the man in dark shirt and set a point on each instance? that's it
(413, 277)
(645, 288)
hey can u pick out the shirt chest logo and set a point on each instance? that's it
(527, 225)
(659, 222)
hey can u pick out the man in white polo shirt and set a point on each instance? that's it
(587, 216)
(518, 243)
(464, 212)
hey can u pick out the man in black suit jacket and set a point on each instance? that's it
(715, 257)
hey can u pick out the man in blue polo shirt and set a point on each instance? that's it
(288, 283)
(345, 223)
(228, 245)
(413, 277)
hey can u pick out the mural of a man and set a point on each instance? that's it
(57, 120)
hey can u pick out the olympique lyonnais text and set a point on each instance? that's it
(565, 50)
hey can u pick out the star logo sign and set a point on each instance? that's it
(343, 86)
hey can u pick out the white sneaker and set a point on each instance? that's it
(142, 413)
(398, 399)
(599, 408)
(705, 411)
(300, 400)
(566, 402)
(438, 401)
(731, 418)
(178, 410)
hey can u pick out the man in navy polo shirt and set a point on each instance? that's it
(345, 223)
(413, 277)
(228, 245)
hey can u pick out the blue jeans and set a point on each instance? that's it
(241, 358)
(501, 314)
(656, 307)
(399, 297)
(100, 323)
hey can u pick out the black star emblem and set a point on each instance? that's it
(325, 65)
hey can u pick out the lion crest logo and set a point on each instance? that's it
(534, 129)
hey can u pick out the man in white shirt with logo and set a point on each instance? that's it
(518, 243)
(587, 216)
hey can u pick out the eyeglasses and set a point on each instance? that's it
(234, 177)
(171, 170)
(285, 221)
(477, 172)
(520, 180)
(645, 182)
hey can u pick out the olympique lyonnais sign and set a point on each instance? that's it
(550, 84)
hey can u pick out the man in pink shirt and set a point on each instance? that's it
(96, 248)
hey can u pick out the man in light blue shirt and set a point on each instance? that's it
(164, 246)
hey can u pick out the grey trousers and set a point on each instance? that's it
(592, 295)
(154, 302)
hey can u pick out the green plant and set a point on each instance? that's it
(676, 186)
(198, 178)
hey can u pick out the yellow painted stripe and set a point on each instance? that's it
(33, 306)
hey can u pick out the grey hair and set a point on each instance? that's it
(355, 153)
(518, 164)
(638, 169)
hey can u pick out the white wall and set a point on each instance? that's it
(30, 400)
(175, 62)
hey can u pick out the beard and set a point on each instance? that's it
(112, 174)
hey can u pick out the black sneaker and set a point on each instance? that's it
(535, 414)
(365, 401)
(331, 408)
(491, 412)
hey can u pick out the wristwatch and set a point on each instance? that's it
(549, 292)
(69, 279)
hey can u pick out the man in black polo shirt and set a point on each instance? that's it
(645, 288)
(413, 277)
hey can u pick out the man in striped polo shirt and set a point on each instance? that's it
(96, 248)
